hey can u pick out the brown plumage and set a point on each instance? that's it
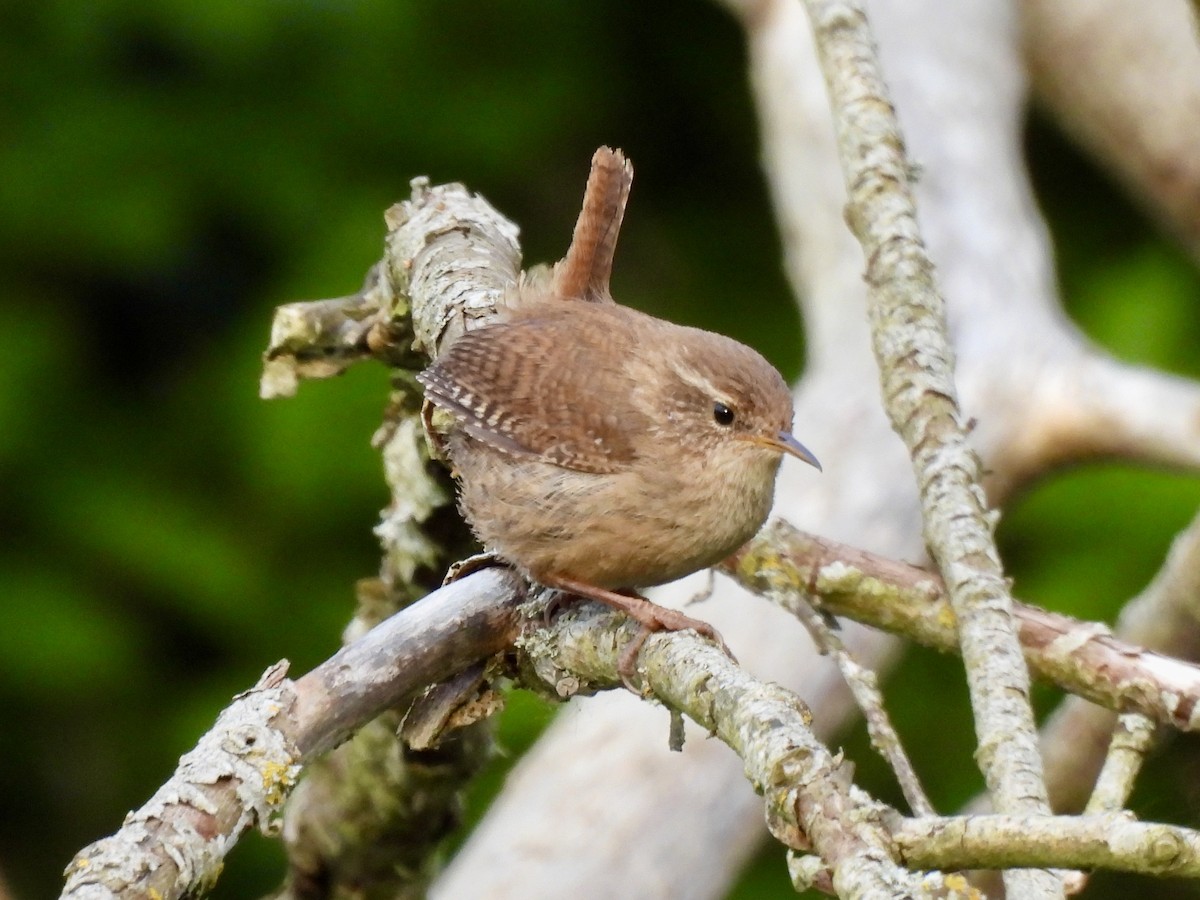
(598, 448)
(588, 445)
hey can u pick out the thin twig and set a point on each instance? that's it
(1132, 739)
(867, 695)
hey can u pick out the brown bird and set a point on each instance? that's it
(600, 449)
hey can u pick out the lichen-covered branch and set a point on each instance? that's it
(242, 771)
(916, 364)
(1131, 740)
(366, 816)
(806, 789)
(783, 564)
(451, 258)
(1116, 841)
(237, 777)
(322, 338)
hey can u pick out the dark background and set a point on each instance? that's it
(171, 171)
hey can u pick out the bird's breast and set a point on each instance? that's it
(646, 524)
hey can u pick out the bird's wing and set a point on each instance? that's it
(548, 387)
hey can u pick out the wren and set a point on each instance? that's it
(600, 449)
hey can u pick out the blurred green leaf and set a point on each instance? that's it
(61, 639)
(1088, 540)
(1145, 307)
(41, 346)
(141, 531)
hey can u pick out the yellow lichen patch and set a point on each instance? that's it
(278, 778)
(946, 617)
(762, 564)
(960, 886)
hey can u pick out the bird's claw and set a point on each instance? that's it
(627, 662)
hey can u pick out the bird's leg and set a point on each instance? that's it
(651, 616)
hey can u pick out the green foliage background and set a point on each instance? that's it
(171, 171)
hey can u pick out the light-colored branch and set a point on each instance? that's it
(1116, 842)
(783, 564)
(236, 777)
(806, 789)
(451, 260)
(1132, 739)
(321, 338)
(1083, 405)
(449, 256)
(916, 363)
(422, 644)
(242, 770)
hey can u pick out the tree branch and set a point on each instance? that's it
(320, 338)
(243, 769)
(448, 259)
(865, 688)
(916, 364)
(1115, 841)
(1132, 739)
(806, 789)
(782, 563)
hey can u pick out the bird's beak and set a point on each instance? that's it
(785, 443)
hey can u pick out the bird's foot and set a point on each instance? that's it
(651, 616)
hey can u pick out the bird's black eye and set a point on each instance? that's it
(722, 414)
